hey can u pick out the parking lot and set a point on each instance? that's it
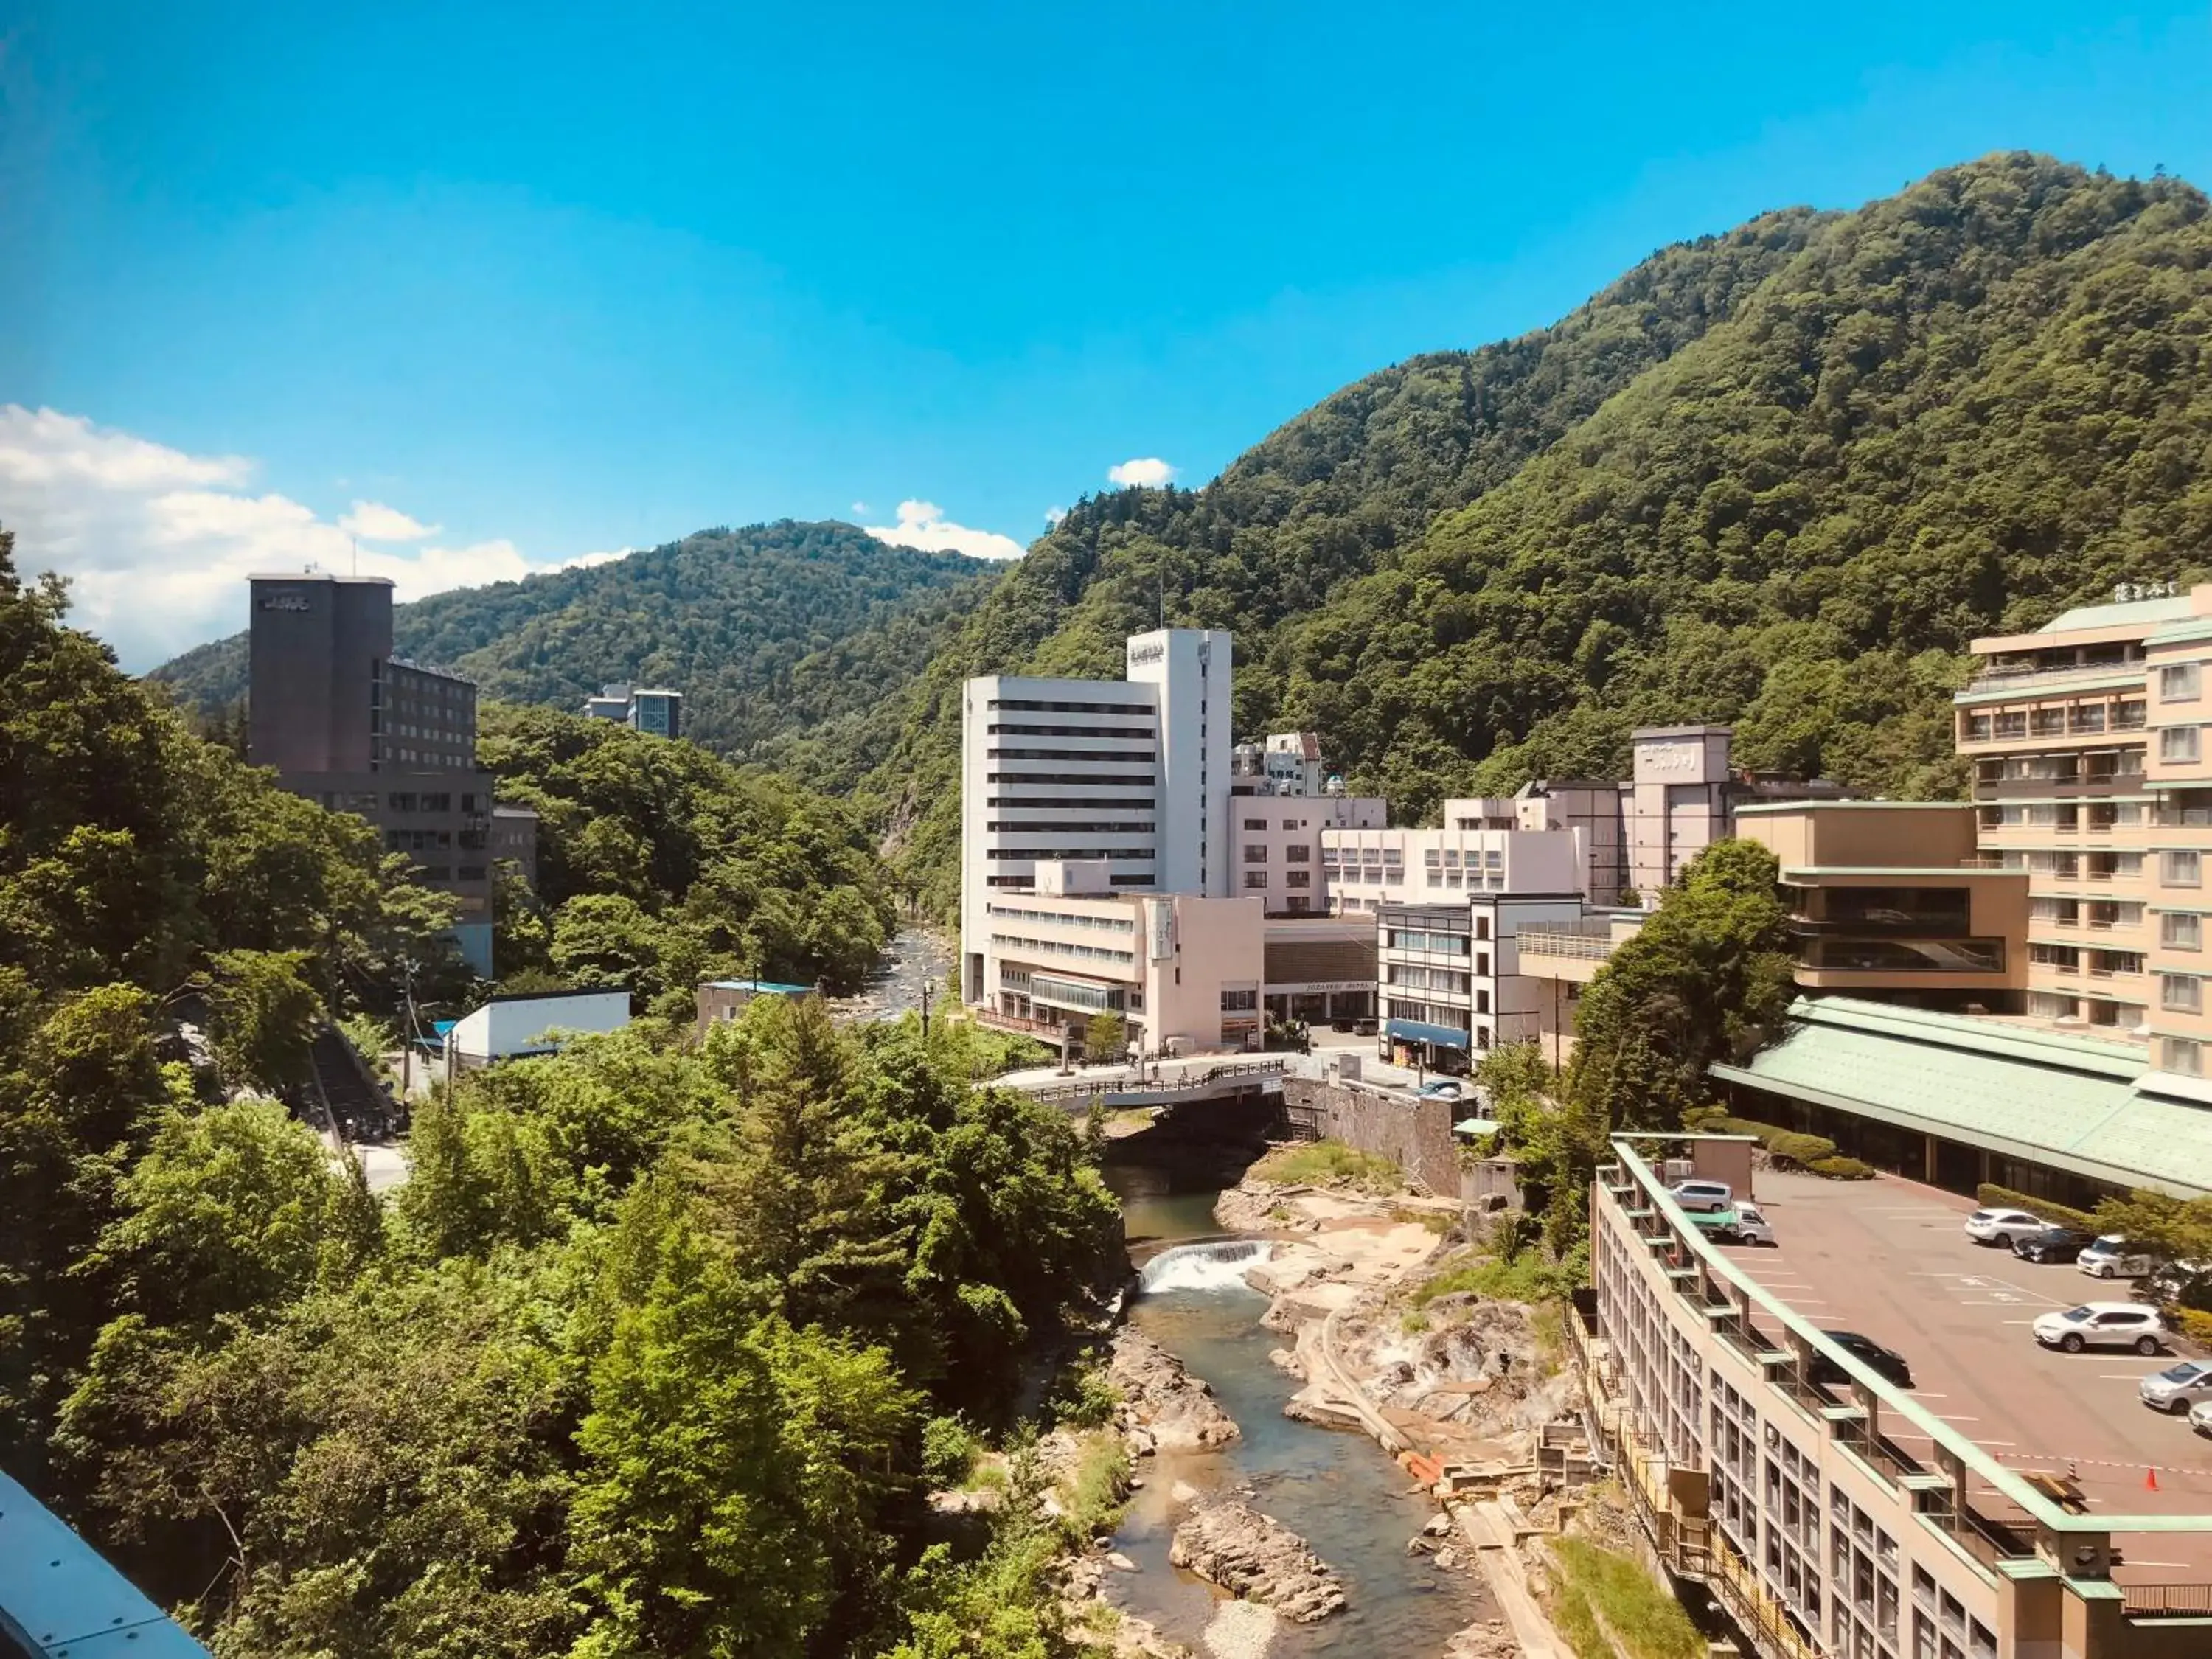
(1889, 1260)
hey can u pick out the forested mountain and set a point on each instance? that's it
(738, 620)
(1777, 477)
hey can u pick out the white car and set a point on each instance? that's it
(2000, 1227)
(1705, 1196)
(2200, 1416)
(2178, 1388)
(1751, 1226)
(2111, 1257)
(2103, 1325)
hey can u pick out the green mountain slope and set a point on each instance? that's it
(1341, 490)
(1778, 477)
(1956, 411)
(731, 619)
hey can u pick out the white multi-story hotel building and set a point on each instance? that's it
(1133, 773)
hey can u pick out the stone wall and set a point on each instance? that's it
(1416, 1134)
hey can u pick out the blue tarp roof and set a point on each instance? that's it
(761, 987)
(1414, 1031)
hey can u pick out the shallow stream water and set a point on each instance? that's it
(1336, 1490)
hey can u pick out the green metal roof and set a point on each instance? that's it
(2068, 1101)
(2119, 680)
(2175, 609)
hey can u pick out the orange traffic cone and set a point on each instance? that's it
(2150, 1480)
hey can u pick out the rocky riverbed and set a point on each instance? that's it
(1229, 1543)
(1163, 1406)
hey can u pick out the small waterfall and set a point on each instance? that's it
(1217, 1265)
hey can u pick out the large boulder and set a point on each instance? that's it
(1233, 1545)
(1176, 1410)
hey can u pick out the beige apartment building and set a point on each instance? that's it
(1834, 1515)
(2092, 774)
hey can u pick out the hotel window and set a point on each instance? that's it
(2180, 992)
(2179, 681)
(1255, 855)
(2179, 930)
(1256, 823)
(2047, 722)
(2185, 1056)
(1255, 878)
(2178, 868)
(1239, 1002)
(1298, 854)
(2176, 744)
(2089, 717)
(1298, 879)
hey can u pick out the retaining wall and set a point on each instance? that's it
(1416, 1133)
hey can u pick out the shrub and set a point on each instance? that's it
(1526, 1277)
(1841, 1169)
(2192, 1323)
(1085, 1397)
(1789, 1147)
(1644, 1618)
(1097, 1489)
(948, 1452)
(1990, 1195)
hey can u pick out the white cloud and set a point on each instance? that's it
(157, 543)
(1149, 471)
(1052, 515)
(923, 525)
(373, 521)
(861, 510)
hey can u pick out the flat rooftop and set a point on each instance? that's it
(1889, 1259)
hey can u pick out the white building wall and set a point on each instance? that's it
(1367, 868)
(1053, 770)
(1276, 838)
(514, 1026)
(1189, 671)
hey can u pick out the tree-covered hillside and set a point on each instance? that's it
(1778, 477)
(1957, 411)
(735, 619)
(659, 865)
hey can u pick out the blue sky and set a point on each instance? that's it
(541, 283)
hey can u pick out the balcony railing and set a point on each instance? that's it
(2003, 677)
(1586, 947)
(2167, 1600)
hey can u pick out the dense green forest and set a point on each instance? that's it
(658, 1349)
(1777, 477)
(772, 629)
(659, 865)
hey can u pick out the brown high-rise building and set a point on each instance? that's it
(346, 723)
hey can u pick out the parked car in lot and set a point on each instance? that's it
(2178, 1388)
(2112, 1257)
(1442, 1089)
(2200, 1416)
(1884, 1362)
(1750, 1226)
(2049, 1244)
(2000, 1227)
(2103, 1325)
(1702, 1195)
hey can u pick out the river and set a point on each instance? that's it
(914, 958)
(1336, 1490)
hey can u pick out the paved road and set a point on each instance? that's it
(1888, 1259)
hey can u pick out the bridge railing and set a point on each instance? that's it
(1103, 1089)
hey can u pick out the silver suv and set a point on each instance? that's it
(2176, 1387)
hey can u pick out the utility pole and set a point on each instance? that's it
(925, 1011)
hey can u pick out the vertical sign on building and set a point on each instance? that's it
(1162, 918)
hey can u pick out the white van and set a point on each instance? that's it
(2112, 1257)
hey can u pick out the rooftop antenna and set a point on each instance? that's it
(1164, 589)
